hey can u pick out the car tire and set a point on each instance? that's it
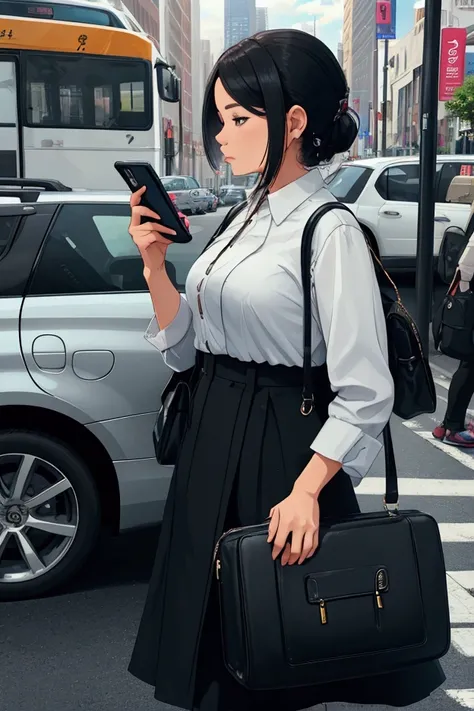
(77, 507)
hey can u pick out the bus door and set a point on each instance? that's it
(9, 119)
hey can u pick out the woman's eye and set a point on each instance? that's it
(240, 121)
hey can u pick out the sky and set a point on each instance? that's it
(291, 13)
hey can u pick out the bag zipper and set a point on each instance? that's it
(381, 585)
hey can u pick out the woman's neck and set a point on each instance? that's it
(290, 171)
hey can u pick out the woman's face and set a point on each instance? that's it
(244, 136)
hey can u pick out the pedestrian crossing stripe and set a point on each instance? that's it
(463, 456)
(418, 486)
(464, 697)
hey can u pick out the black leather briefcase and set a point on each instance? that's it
(373, 599)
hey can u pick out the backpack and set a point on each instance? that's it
(453, 323)
(415, 392)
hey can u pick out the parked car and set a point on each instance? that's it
(384, 195)
(191, 199)
(231, 195)
(79, 384)
(213, 202)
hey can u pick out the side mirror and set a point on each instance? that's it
(453, 244)
(169, 85)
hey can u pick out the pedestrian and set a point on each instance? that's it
(276, 104)
(454, 430)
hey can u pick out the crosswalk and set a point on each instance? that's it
(449, 497)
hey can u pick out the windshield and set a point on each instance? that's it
(347, 183)
(60, 12)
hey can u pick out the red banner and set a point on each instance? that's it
(384, 12)
(452, 61)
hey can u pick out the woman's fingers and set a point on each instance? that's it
(273, 526)
(307, 547)
(285, 556)
(280, 538)
(156, 229)
(315, 545)
(136, 196)
(296, 545)
(140, 211)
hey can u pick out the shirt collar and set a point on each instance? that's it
(284, 201)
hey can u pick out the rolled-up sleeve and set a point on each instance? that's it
(176, 341)
(349, 309)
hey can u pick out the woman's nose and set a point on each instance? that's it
(220, 138)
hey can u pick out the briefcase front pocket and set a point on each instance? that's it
(348, 612)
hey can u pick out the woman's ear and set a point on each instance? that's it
(296, 122)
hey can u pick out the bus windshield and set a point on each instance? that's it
(60, 12)
(87, 92)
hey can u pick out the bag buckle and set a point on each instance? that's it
(391, 509)
(307, 406)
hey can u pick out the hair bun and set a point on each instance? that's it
(341, 136)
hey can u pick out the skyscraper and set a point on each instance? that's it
(262, 19)
(147, 14)
(362, 69)
(175, 43)
(239, 20)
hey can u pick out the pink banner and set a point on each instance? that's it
(452, 61)
(384, 12)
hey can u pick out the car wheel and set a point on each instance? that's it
(49, 514)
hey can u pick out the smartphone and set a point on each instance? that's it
(138, 174)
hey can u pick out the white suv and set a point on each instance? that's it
(384, 193)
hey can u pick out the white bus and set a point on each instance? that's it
(74, 98)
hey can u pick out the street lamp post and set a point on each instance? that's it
(428, 150)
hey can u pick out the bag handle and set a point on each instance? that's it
(307, 404)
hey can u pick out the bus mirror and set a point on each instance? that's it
(169, 85)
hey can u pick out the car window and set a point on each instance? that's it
(173, 184)
(400, 183)
(449, 171)
(347, 183)
(88, 250)
(8, 225)
(193, 183)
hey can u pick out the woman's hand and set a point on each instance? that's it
(298, 516)
(150, 237)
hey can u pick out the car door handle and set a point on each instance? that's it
(391, 213)
(442, 218)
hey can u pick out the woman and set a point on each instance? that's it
(453, 430)
(275, 104)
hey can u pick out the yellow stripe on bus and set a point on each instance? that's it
(45, 36)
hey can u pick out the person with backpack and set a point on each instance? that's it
(253, 447)
(454, 429)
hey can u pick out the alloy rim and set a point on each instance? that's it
(39, 517)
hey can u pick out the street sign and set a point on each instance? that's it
(386, 19)
(452, 62)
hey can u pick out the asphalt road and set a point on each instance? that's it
(70, 652)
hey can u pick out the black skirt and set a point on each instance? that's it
(246, 444)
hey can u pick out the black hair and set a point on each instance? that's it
(269, 73)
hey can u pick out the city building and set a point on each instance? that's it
(362, 67)
(340, 54)
(406, 60)
(309, 27)
(176, 46)
(347, 40)
(207, 60)
(262, 19)
(239, 20)
(147, 14)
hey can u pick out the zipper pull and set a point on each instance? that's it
(379, 600)
(323, 612)
(218, 567)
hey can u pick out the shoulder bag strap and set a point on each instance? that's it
(391, 478)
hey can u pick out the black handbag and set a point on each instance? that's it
(372, 600)
(174, 413)
(452, 246)
(453, 323)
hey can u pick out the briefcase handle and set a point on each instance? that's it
(390, 501)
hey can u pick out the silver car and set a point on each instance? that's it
(190, 197)
(79, 385)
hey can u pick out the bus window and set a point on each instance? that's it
(60, 12)
(87, 92)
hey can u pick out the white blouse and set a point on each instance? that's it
(252, 309)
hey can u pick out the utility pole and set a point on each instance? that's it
(375, 102)
(385, 99)
(428, 150)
